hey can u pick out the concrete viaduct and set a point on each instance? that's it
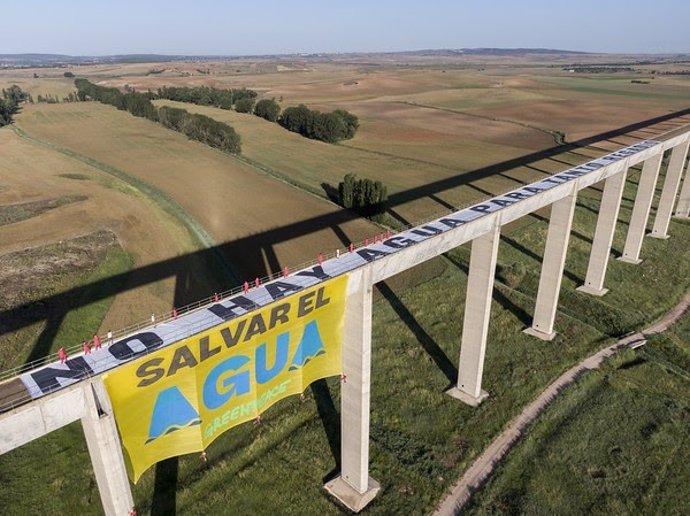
(78, 393)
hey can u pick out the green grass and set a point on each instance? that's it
(621, 86)
(53, 475)
(616, 442)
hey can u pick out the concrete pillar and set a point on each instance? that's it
(670, 191)
(105, 450)
(480, 286)
(552, 267)
(354, 488)
(603, 235)
(683, 206)
(640, 213)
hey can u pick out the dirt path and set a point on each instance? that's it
(482, 468)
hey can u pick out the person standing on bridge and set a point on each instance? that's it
(96, 342)
(86, 347)
(62, 355)
(109, 337)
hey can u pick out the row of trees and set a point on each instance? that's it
(201, 128)
(54, 99)
(9, 103)
(328, 127)
(196, 127)
(207, 96)
(365, 196)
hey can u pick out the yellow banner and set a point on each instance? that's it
(181, 398)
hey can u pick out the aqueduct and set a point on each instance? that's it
(41, 400)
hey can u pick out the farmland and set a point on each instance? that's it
(228, 198)
(439, 134)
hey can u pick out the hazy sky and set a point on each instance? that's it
(271, 26)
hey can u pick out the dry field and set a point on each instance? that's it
(31, 173)
(233, 202)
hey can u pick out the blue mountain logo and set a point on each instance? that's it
(309, 347)
(171, 412)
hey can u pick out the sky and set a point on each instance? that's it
(230, 27)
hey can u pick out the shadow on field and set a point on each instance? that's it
(428, 343)
(330, 419)
(164, 498)
(255, 251)
(497, 295)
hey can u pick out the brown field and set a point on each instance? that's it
(229, 199)
(33, 173)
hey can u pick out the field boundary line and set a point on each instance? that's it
(559, 137)
(283, 178)
(163, 201)
(402, 158)
(484, 466)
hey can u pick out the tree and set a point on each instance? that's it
(296, 119)
(9, 103)
(267, 109)
(365, 196)
(346, 190)
(205, 96)
(244, 105)
(68, 74)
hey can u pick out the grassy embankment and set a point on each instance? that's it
(614, 443)
(52, 475)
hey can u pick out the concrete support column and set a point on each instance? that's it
(480, 286)
(603, 235)
(669, 192)
(640, 213)
(103, 442)
(552, 267)
(683, 206)
(353, 487)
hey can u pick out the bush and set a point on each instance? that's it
(328, 127)
(514, 274)
(68, 74)
(244, 105)
(267, 109)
